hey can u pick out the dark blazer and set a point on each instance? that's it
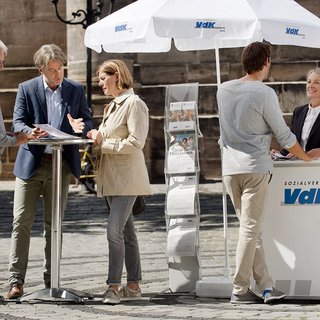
(298, 118)
(31, 108)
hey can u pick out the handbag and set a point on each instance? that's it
(139, 205)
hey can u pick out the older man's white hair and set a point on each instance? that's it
(3, 47)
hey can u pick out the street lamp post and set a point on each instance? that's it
(85, 18)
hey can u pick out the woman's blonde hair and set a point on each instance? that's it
(315, 70)
(111, 67)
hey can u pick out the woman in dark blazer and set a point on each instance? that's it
(305, 122)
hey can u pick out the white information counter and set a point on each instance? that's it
(291, 229)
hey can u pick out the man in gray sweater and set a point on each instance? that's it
(8, 139)
(249, 114)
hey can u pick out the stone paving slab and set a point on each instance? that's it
(84, 264)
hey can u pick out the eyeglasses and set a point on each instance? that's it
(2, 63)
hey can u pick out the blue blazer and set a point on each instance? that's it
(31, 108)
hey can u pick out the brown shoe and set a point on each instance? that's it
(15, 291)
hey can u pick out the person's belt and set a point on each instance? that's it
(47, 157)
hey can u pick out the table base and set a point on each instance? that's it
(57, 295)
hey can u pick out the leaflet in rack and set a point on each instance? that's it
(181, 153)
(181, 196)
(182, 237)
(182, 116)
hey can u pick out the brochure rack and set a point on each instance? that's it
(182, 209)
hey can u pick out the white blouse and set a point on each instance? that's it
(308, 124)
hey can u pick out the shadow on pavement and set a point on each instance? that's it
(87, 213)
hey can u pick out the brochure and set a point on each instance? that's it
(181, 240)
(277, 156)
(181, 195)
(182, 116)
(181, 153)
(55, 134)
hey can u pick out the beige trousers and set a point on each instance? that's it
(248, 193)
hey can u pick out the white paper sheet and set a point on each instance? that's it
(55, 133)
(181, 195)
(181, 240)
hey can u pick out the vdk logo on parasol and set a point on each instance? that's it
(294, 31)
(120, 27)
(302, 197)
(205, 24)
(208, 25)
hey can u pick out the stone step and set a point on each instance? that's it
(12, 76)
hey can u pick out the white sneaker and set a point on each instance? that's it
(111, 296)
(128, 293)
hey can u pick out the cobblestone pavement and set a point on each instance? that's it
(84, 265)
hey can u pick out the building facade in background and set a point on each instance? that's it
(27, 24)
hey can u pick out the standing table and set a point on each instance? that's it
(291, 234)
(55, 292)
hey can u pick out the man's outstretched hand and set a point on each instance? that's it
(76, 124)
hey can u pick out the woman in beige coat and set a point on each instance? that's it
(121, 174)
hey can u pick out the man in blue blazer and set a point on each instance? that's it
(60, 102)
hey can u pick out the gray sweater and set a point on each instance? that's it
(249, 114)
(5, 140)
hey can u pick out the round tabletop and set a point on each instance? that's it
(58, 141)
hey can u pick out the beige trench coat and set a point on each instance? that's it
(121, 168)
